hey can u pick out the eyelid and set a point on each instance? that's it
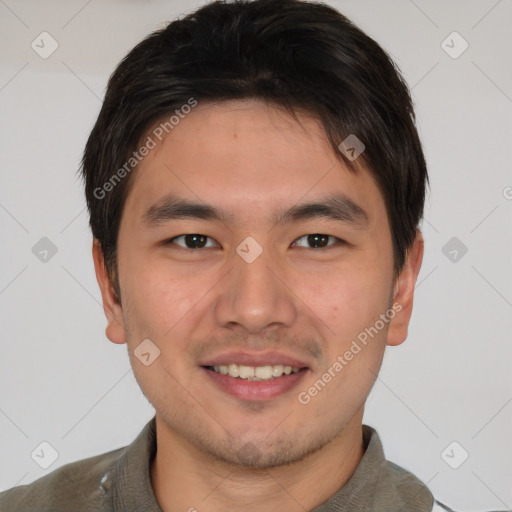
(337, 241)
(172, 240)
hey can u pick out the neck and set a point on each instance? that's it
(186, 479)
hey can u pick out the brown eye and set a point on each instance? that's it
(316, 241)
(191, 241)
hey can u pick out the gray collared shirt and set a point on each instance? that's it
(120, 481)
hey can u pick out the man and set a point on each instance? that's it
(255, 183)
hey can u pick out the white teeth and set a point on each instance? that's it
(266, 372)
(233, 370)
(277, 370)
(245, 372)
(263, 372)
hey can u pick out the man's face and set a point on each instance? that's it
(211, 300)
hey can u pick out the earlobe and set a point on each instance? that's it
(404, 292)
(113, 310)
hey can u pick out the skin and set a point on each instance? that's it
(252, 159)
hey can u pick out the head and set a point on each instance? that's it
(257, 112)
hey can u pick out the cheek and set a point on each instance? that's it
(348, 301)
(159, 298)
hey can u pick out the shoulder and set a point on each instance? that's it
(410, 493)
(414, 490)
(393, 487)
(82, 486)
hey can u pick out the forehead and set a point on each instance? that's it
(249, 157)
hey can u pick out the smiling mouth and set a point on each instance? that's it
(254, 373)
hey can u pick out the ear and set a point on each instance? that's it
(403, 294)
(115, 330)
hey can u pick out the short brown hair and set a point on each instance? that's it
(292, 53)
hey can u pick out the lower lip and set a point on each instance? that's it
(256, 390)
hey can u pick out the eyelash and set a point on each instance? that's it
(338, 241)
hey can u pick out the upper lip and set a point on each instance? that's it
(254, 359)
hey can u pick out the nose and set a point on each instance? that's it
(255, 295)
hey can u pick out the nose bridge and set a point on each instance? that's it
(252, 295)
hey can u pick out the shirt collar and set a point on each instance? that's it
(131, 485)
(376, 484)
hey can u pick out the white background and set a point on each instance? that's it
(63, 382)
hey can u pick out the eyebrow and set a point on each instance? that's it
(338, 207)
